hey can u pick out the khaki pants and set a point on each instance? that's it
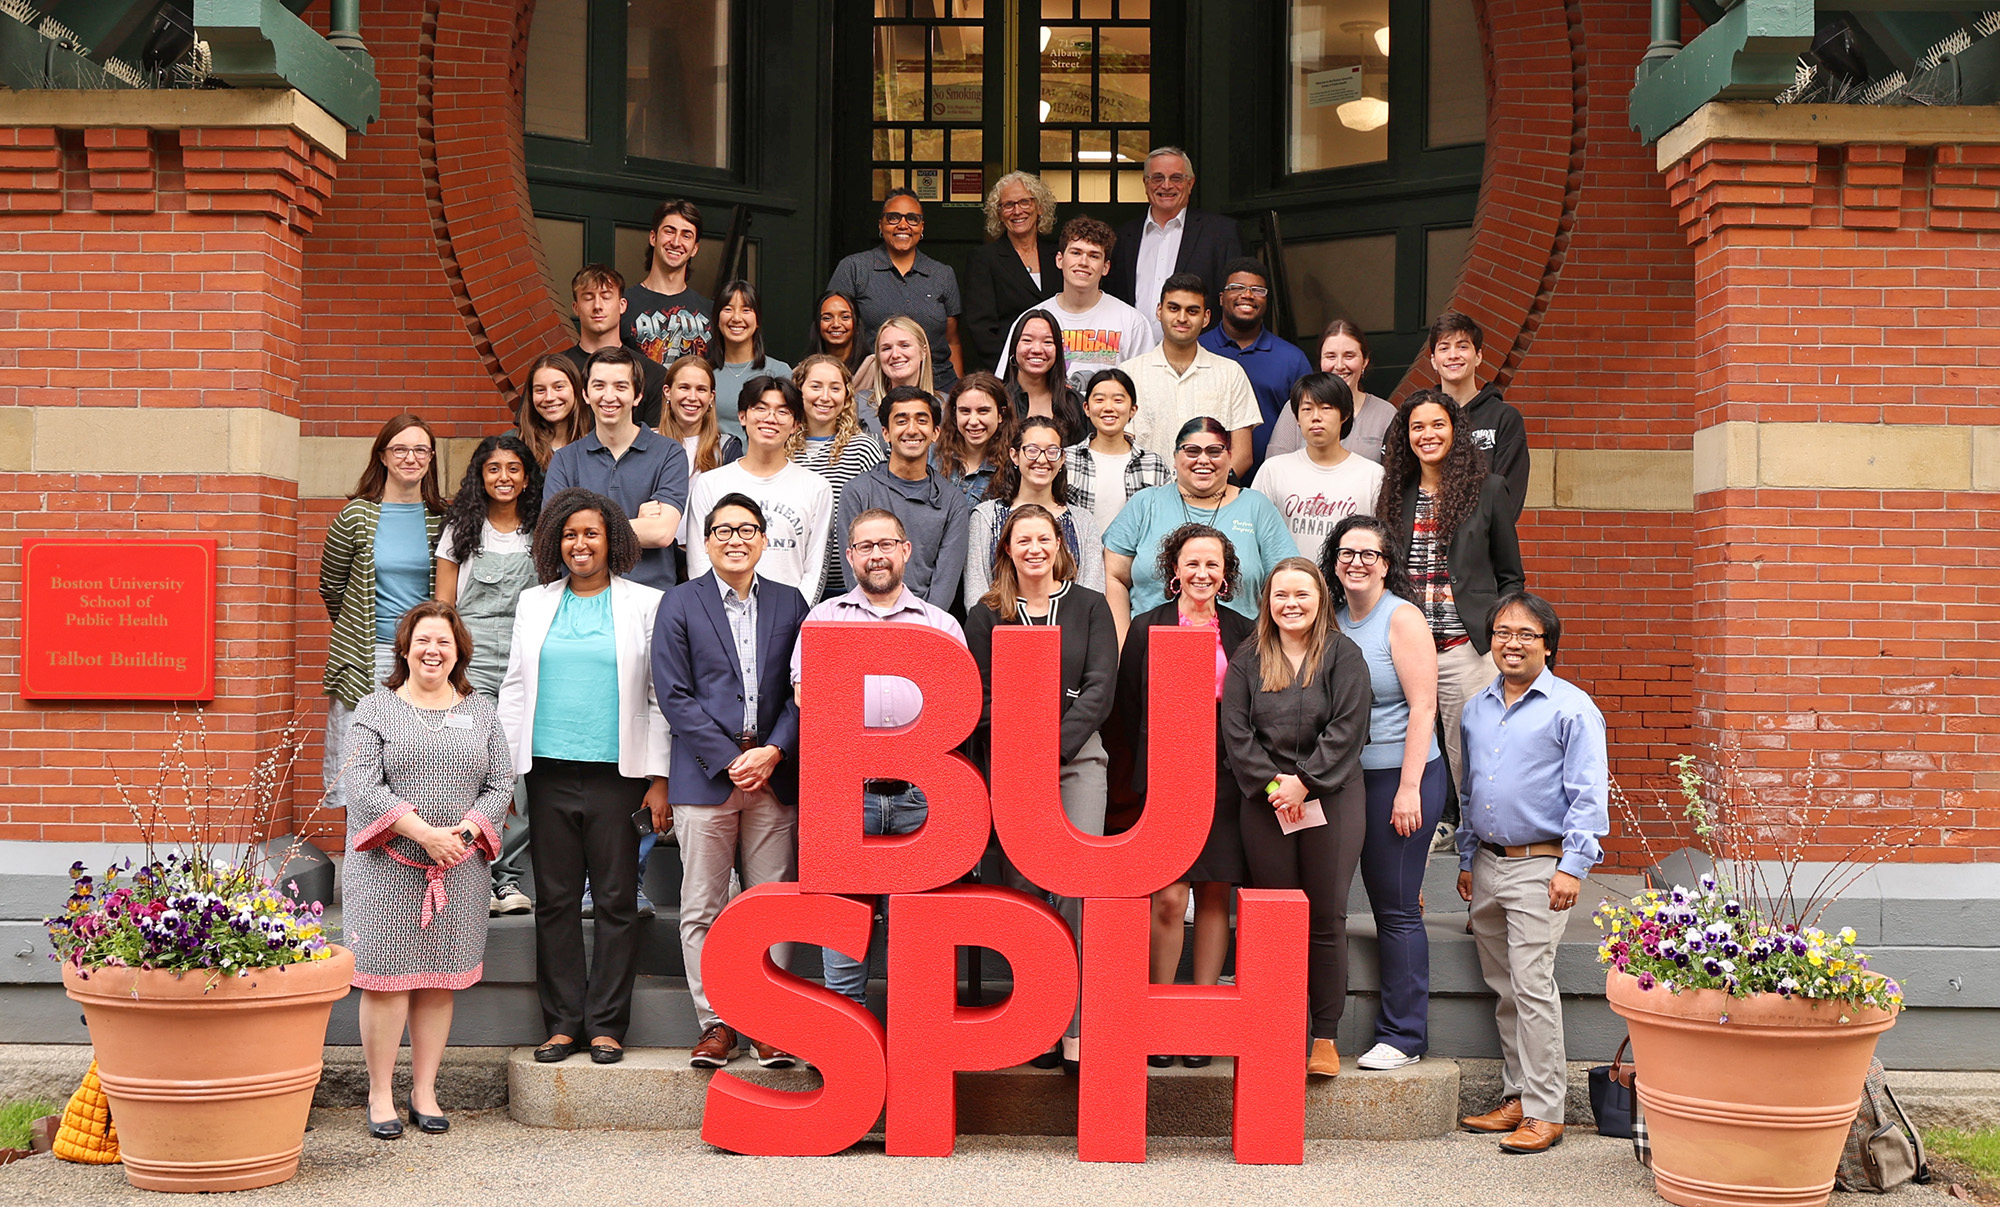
(1518, 934)
(766, 833)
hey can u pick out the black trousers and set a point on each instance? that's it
(580, 829)
(1320, 861)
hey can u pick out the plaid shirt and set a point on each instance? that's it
(1144, 469)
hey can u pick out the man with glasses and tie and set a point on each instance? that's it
(878, 550)
(893, 278)
(722, 659)
(1172, 238)
(1535, 801)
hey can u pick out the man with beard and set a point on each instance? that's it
(878, 550)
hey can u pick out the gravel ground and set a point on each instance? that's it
(488, 1159)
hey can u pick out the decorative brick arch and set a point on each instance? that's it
(472, 59)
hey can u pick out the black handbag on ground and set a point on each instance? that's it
(1612, 1095)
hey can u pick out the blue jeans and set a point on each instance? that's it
(899, 814)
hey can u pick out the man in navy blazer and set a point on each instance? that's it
(1171, 238)
(722, 656)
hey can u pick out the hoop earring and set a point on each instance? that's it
(1173, 586)
(1227, 593)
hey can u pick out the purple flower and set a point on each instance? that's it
(1645, 980)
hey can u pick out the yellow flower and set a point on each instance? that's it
(1815, 958)
(1847, 934)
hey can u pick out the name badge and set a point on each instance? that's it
(454, 721)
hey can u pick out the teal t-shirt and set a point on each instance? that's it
(1250, 521)
(402, 566)
(576, 698)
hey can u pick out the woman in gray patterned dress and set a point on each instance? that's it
(427, 788)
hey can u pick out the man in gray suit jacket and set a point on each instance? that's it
(1171, 238)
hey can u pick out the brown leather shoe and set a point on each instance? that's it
(773, 1058)
(1324, 1061)
(1504, 1118)
(1533, 1136)
(717, 1048)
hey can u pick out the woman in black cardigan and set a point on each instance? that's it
(1034, 583)
(1295, 710)
(1454, 526)
(999, 278)
(1200, 568)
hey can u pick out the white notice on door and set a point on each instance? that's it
(1333, 87)
(930, 184)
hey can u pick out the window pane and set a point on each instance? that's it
(927, 146)
(1066, 90)
(557, 100)
(1354, 279)
(957, 60)
(1444, 263)
(562, 256)
(1126, 67)
(1060, 10)
(899, 73)
(677, 81)
(1339, 83)
(1457, 111)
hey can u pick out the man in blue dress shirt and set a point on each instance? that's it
(1535, 802)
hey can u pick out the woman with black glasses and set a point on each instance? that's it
(1032, 474)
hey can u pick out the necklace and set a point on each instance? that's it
(444, 714)
(1214, 513)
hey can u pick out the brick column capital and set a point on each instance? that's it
(271, 170)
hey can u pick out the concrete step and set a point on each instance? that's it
(656, 1090)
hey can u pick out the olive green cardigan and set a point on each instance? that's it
(347, 584)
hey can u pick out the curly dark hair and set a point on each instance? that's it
(1170, 556)
(622, 544)
(1463, 472)
(1006, 481)
(465, 517)
(1396, 579)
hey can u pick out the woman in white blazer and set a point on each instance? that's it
(578, 709)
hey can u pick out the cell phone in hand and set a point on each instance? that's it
(642, 821)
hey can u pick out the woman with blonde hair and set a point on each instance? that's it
(688, 415)
(902, 357)
(551, 413)
(1016, 271)
(833, 443)
(1295, 708)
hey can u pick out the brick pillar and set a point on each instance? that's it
(1846, 462)
(149, 386)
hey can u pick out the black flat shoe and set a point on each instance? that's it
(392, 1130)
(606, 1054)
(1047, 1060)
(430, 1124)
(1160, 1062)
(1197, 1062)
(555, 1053)
(1071, 1068)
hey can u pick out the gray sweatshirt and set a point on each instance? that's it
(934, 515)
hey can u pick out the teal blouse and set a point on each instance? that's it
(576, 700)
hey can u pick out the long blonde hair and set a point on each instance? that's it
(871, 377)
(846, 426)
(708, 431)
(1004, 596)
(1274, 668)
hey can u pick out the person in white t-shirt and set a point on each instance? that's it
(797, 503)
(1321, 484)
(1098, 330)
(1180, 380)
(1109, 468)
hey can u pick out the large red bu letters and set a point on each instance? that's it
(910, 1069)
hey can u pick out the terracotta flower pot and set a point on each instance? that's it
(1752, 1112)
(210, 1083)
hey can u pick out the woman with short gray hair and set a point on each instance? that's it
(1013, 273)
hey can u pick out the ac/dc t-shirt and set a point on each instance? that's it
(666, 326)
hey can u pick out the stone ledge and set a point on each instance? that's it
(1744, 455)
(1760, 121)
(655, 1090)
(174, 109)
(142, 440)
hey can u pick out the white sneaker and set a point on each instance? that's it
(509, 899)
(1446, 840)
(1382, 1056)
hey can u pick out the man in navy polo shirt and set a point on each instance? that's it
(642, 471)
(1273, 365)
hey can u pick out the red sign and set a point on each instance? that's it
(130, 619)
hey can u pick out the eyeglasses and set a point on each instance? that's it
(1037, 452)
(871, 548)
(1514, 636)
(740, 532)
(409, 452)
(1195, 452)
(899, 218)
(1017, 205)
(1255, 291)
(1163, 178)
(1366, 557)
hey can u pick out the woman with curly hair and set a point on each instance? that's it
(552, 412)
(1033, 475)
(1015, 271)
(1200, 568)
(834, 443)
(585, 728)
(484, 561)
(1453, 523)
(979, 426)
(1402, 772)
(1038, 375)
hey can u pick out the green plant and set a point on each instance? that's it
(1980, 1150)
(17, 1120)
